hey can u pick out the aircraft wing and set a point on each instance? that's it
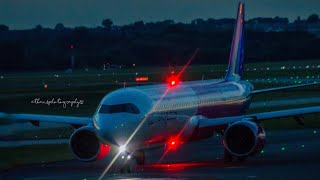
(282, 88)
(35, 119)
(215, 122)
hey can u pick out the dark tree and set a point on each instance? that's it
(313, 18)
(138, 26)
(168, 22)
(198, 21)
(59, 27)
(3, 28)
(38, 28)
(107, 23)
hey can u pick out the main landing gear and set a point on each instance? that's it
(227, 156)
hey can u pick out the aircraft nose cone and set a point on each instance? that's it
(113, 131)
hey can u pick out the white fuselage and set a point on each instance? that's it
(164, 111)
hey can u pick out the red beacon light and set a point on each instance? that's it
(173, 143)
(172, 81)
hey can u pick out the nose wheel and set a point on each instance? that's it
(127, 164)
(130, 161)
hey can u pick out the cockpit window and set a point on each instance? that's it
(118, 108)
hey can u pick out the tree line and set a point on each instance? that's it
(154, 43)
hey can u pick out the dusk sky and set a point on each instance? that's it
(22, 14)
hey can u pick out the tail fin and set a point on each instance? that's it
(237, 48)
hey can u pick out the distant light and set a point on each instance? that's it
(282, 149)
(45, 86)
(173, 83)
(140, 79)
(71, 46)
(172, 143)
(129, 157)
(134, 65)
(262, 151)
(122, 149)
(314, 132)
(122, 157)
(302, 146)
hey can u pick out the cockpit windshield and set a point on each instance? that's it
(119, 108)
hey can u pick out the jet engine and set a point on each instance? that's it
(85, 145)
(244, 138)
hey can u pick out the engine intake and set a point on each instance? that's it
(85, 145)
(244, 138)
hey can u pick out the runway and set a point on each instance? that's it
(289, 154)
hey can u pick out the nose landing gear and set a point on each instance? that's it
(130, 161)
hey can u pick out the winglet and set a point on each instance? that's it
(237, 48)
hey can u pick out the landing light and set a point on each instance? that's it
(122, 149)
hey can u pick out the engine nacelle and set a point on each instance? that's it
(244, 138)
(85, 145)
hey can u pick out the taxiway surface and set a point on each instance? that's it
(288, 154)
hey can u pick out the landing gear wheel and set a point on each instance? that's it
(227, 156)
(125, 169)
(140, 157)
(128, 167)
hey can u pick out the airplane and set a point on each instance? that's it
(134, 118)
